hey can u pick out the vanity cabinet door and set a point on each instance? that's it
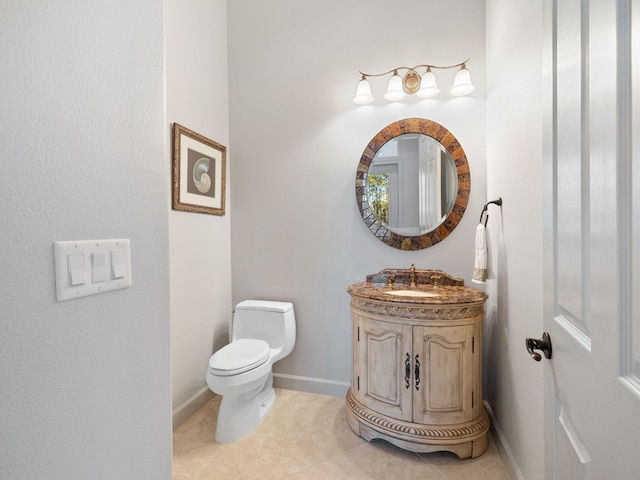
(383, 372)
(444, 383)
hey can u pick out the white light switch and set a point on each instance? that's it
(77, 269)
(98, 267)
(118, 266)
(89, 267)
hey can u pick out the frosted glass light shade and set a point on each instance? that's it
(395, 91)
(363, 93)
(462, 83)
(428, 85)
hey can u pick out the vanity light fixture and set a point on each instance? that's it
(424, 86)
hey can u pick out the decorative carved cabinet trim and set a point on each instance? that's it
(417, 372)
(417, 311)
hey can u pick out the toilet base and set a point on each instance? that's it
(240, 414)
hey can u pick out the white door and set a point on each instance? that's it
(592, 239)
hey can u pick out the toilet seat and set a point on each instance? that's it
(239, 356)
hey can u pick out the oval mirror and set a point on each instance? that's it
(412, 184)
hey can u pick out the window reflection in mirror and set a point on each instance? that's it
(378, 193)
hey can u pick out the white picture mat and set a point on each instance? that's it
(190, 198)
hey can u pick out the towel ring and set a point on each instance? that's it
(498, 202)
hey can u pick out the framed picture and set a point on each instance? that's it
(199, 172)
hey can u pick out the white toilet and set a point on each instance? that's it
(262, 332)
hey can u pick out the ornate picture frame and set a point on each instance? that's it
(199, 172)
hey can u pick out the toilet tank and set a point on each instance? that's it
(273, 322)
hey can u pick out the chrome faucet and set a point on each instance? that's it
(412, 275)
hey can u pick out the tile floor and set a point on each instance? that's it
(306, 437)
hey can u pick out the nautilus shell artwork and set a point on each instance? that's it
(201, 176)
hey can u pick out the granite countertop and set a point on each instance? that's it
(441, 295)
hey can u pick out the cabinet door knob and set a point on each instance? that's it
(536, 344)
(417, 372)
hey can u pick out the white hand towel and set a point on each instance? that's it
(480, 264)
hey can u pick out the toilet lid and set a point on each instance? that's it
(239, 356)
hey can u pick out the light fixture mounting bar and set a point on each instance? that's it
(425, 65)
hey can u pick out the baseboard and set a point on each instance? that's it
(507, 457)
(191, 406)
(322, 386)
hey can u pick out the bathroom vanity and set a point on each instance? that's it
(417, 362)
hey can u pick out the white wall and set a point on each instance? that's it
(297, 138)
(84, 383)
(514, 382)
(200, 255)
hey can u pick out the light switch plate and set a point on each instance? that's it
(99, 275)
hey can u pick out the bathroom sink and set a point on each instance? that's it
(412, 293)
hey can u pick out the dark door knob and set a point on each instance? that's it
(535, 344)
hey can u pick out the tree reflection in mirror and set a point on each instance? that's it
(378, 193)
